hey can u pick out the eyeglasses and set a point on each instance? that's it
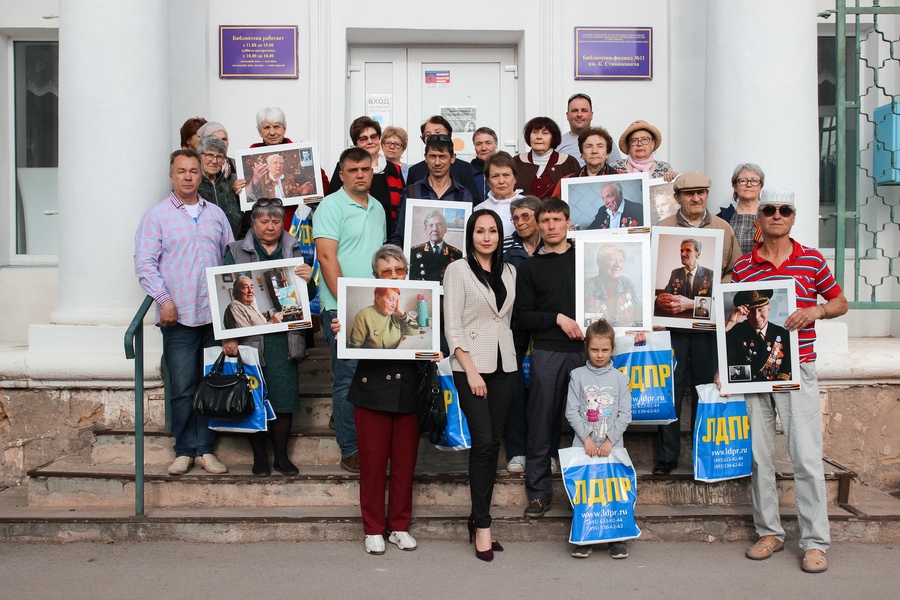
(263, 202)
(644, 141)
(750, 182)
(524, 217)
(213, 157)
(386, 273)
(392, 144)
(365, 138)
(770, 209)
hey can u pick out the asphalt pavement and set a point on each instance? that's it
(441, 570)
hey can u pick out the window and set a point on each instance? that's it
(36, 100)
(827, 53)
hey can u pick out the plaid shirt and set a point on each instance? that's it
(172, 251)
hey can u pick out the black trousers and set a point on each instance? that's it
(487, 419)
(697, 362)
(546, 399)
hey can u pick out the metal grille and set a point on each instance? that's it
(867, 109)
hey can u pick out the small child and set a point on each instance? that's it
(599, 407)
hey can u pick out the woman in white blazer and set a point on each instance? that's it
(478, 298)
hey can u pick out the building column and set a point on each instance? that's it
(114, 142)
(762, 100)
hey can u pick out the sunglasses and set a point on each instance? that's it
(365, 138)
(524, 217)
(582, 96)
(263, 202)
(386, 273)
(769, 210)
(439, 138)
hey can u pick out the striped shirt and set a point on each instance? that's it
(172, 251)
(812, 277)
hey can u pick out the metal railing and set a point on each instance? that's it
(867, 214)
(134, 349)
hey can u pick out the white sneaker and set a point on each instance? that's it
(403, 540)
(516, 465)
(181, 465)
(210, 464)
(374, 544)
(554, 465)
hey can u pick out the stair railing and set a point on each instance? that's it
(134, 350)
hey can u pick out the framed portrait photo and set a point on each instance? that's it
(435, 236)
(608, 201)
(257, 298)
(612, 278)
(756, 353)
(287, 171)
(687, 269)
(388, 318)
(662, 200)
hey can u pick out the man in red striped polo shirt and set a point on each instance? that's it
(778, 256)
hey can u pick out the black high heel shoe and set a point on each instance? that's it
(495, 546)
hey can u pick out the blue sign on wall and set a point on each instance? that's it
(613, 53)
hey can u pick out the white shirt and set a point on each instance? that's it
(501, 207)
(615, 218)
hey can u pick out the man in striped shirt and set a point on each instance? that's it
(174, 243)
(780, 257)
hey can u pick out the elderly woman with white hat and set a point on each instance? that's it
(639, 141)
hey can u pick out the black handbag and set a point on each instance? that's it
(430, 403)
(228, 397)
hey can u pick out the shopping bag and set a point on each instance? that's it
(649, 367)
(526, 365)
(301, 228)
(456, 434)
(263, 413)
(722, 446)
(602, 491)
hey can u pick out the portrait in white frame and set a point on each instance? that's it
(756, 353)
(388, 319)
(257, 298)
(612, 278)
(288, 171)
(687, 267)
(429, 223)
(589, 199)
(662, 200)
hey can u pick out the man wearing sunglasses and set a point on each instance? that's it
(779, 256)
(695, 351)
(460, 170)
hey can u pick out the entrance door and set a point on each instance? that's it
(470, 87)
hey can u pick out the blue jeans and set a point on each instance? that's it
(341, 409)
(183, 352)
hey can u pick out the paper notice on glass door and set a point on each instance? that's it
(378, 107)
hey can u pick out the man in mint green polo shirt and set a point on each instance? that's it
(348, 227)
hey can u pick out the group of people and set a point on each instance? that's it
(513, 289)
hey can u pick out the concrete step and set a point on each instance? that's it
(69, 483)
(875, 518)
(317, 446)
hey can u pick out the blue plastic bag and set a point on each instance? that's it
(650, 369)
(456, 434)
(722, 443)
(301, 228)
(262, 412)
(602, 491)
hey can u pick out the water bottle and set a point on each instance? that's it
(422, 310)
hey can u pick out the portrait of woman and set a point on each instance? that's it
(383, 324)
(610, 294)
